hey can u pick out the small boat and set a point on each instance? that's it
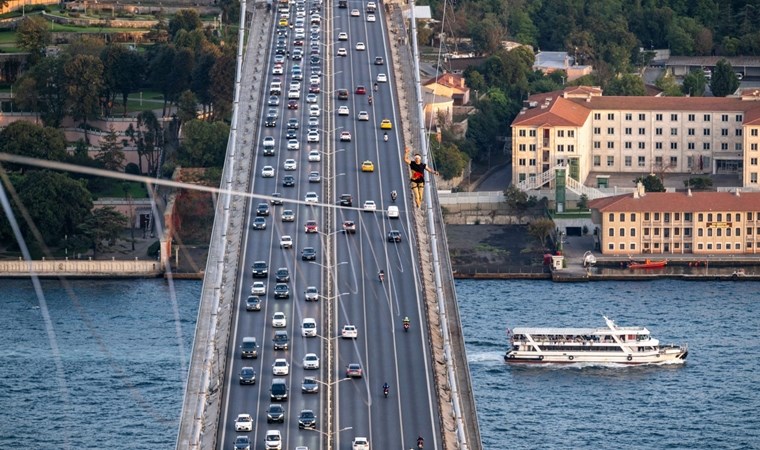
(613, 344)
(648, 264)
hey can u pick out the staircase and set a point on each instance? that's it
(573, 185)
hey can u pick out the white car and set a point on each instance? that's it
(313, 121)
(277, 69)
(244, 422)
(294, 94)
(267, 172)
(370, 18)
(280, 367)
(342, 36)
(268, 141)
(311, 197)
(342, 52)
(311, 98)
(290, 164)
(349, 332)
(285, 242)
(312, 137)
(311, 361)
(360, 443)
(363, 116)
(370, 206)
(382, 78)
(314, 79)
(315, 156)
(309, 327)
(314, 110)
(259, 288)
(293, 144)
(345, 136)
(343, 110)
(360, 46)
(295, 85)
(355, 13)
(393, 212)
(279, 320)
(274, 440)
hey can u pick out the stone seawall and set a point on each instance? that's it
(79, 268)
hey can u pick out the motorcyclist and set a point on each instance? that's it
(375, 87)
(420, 442)
(385, 136)
(406, 320)
(394, 195)
(386, 388)
(381, 275)
(369, 99)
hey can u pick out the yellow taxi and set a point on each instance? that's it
(283, 22)
(368, 166)
(386, 124)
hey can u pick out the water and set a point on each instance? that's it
(121, 345)
(710, 402)
(123, 348)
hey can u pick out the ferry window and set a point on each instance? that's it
(633, 217)
(611, 232)
(646, 216)
(700, 232)
(622, 217)
(699, 217)
(612, 217)
(633, 232)
(622, 232)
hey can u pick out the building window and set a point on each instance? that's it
(521, 133)
(738, 132)
(658, 117)
(628, 116)
(628, 161)
(674, 117)
(674, 145)
(709, 217)
(753, 147)
(628, 131)
(687, 217)
(723, 131)
(532, 147)
(724, 145)
(597, 160)
(532, 162)
(560, 161)
(738, 146)
(622, 232)
(642, 146)
(658, 145)
(571, 148)
(700, 217)
(621, 246)
(700, 232)
(597, 144)
(521, 176)
(642, 161)
(611, 145)
(724, 118)
(628, 145)
(658, 161)
(642, 131)
(611, 130)
(522, 147)
(611, 232)
(753, 132)
(706, 118)
(633, 232)
(706, 131)
(674, 131)
(532, 133)
(570, 133)
(521, 161)
(673, 161)
(690, 131)
(646, 216)
(753, 177)
(597, 130)
(739, 117)
(597, 116)
(611, 246)
(610, 161)
(690, 146)
(611, 217)
(691, 117)
(610, 116)
(633, 218)
(705, 146)
(658, 131)
(642, 116)
(749, 215)
(560, 148)
(561, 133)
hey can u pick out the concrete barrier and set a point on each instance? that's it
(80, 268)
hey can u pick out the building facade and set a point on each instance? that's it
(664, 223)
(587, 132)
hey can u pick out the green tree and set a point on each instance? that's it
(187, 106)
(651, 182)
(449, 161)
(669, 86)
(204, 144)
(84, 75)
(33, 35)
(111, 153)
(541, 229)
(724, 81)
(201, 79)
(626, 85)
(43, 89)
(102, 227)
(222, 84)
(185, 19)
(148, 138)
(27, 139)
(694, 83)
(123, 73)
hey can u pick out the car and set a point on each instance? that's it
(368, 166)
(270, 121)
(286, 242)
(360, 46)
(349, 227)
(313, 121)
(342, 52)
(315, 156)
(280, 367)
(294, 95)
(273, 100)
(346, 200)
(280, 340)
(342, 36)
(393, 212)
(291, 134)
(355, 13)
(360, 90)
(244, 422)
(247, 375)
(262, 209)
(253, 303)
(311, 197)
(297, 75)
(277, 70)
(309, 327)
(371, 18)
(276, 199)
(315, 60)
(309, 254)
(292, 125)
(312, 97)
(343, 110)
(282, 275)
(293, 144)
(279, 59)
(294, 86)
(386, 124)
(268, 141)
(290, 164)
(311, 294)
(258, 288)
(345, 136)
(275, 413)
(283, 22)
(292, 104)
(349, 332)
(379, 61)
(267, 172)
(249, 348)
(288, 181)
(371, 7)
(273, 440)
(288, 216)
(307, 419)
(311, 226)
(363, 116)
(314, 110)
(312, 137)
(281, 290)
(242, 443)
(309, 385)
(314, 78)
(382, 78)
(311, 361)
(314, 177)
(360, 443)
(259, 269)
(394, 236)
(354, 370)
(297, 56)
(369, 206)
(259, 223)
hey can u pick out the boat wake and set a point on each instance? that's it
(479, 357)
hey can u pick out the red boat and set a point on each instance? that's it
(648, 264)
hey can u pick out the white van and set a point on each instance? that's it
(393, 212)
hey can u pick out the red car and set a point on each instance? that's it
(354, 371)
(292, 104)
(360, 90)
(314, 88)
(311, 226)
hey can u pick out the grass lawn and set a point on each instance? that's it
(101, 188)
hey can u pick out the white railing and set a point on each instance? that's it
(581, 189)
(534, 183)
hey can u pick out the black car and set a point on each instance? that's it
(242, 443)
(259, 223)
(309, 254)
(262, 209)
(247, 375)
(314, 88)
(271, 121)
(291, 134)
(268, 151)
(260, 269)
(346, 200)
(288, 181)
(276, 199)
(292, 124)
(280, 340)
(282, 275)
(379, 61)
(309, 385)
(307, 419)
(275, 413)
(281, 290)
(394, 236)
(315, 60)
(253, 303)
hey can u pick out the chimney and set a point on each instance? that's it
(738, 193)
(688, 192)
(640, 189)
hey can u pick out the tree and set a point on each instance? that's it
(651, 182)
(111, 153)
(583, 202)
(222, 84)
(123, 73)
(541, 229)
(204, 144)
(449, 161)
(724, 81)
(33, 35)
(148, 138)
(517, 200)
(185, 19)
(187, 106)
(27, 139)
(43, 89)
(669, 86)
(102, 227)
(626, 85)
(201, 79)
(694, 84)
(84, 75)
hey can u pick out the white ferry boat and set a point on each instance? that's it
(614, 344)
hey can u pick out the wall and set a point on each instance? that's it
(79, 268)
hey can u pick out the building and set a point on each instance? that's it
(585, 131)
(449, 85)
(436, 105)
(548, 62)
(706, 223)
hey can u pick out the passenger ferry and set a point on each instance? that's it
(613, 344)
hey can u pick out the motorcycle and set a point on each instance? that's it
(385, 137)
(385, 392)
(369, 99)
(394, 195)
(381, 275)
(420, 443)
(406, 326)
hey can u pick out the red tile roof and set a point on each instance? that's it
(679, 202)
